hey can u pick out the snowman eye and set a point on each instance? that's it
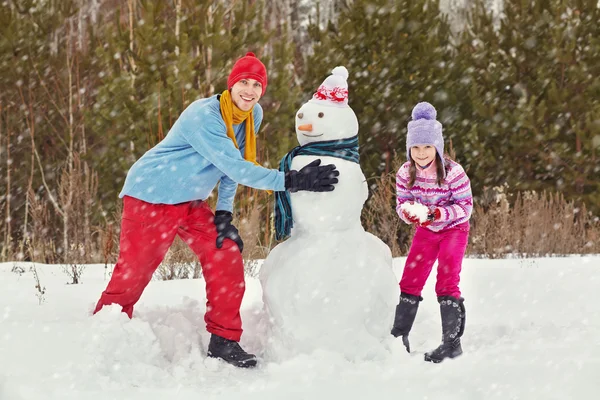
(321, 115)
(300, 115)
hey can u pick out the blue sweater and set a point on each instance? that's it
(195, 155)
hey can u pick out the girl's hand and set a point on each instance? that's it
(432, 216)
(411, 218)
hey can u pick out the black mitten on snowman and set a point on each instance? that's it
(225, 230)
(312, 177)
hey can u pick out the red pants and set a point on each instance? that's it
(147, 232)
(448, 247)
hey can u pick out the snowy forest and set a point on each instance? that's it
(87, 86)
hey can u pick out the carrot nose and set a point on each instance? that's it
(305, 127)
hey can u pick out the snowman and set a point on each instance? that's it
(330, 285)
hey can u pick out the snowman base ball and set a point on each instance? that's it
(332, 291)
(330, 286)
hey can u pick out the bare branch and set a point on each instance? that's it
(50, 195)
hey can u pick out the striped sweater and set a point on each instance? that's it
(453, 198)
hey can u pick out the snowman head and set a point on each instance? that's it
(327, 115)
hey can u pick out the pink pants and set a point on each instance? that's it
(147, 232)
(448, 247)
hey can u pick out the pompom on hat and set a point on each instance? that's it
(334, 89)
(248, 67)
(424, 129)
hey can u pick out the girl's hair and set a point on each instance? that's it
(412, 170)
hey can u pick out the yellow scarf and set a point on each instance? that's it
(232, 115)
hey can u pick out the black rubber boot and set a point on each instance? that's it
(406, 311)
(230, 351)
(453, 326)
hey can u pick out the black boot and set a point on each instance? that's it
(230, 351)
(453, 326)
(406, 311)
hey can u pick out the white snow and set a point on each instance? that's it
(415, 209)
(533, 332)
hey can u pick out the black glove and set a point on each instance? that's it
(225, 230)
(312, 177)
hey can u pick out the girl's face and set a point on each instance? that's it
(423, 155)
(245, 93)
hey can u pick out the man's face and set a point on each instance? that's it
(245, 93)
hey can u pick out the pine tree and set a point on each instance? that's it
(534, 97)
(42, 100)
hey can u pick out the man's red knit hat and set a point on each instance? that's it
(248, 67)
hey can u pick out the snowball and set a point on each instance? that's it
(416, 209)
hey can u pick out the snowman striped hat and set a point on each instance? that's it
(334, 89)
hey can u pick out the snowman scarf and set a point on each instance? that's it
(346, 149)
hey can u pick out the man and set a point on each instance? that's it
(213, 141)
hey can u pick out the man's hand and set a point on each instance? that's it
(225, 230)
(312, 177)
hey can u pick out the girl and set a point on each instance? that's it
(440, 184)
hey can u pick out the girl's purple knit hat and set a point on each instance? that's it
(425, 129)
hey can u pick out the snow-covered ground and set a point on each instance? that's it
(533, 332)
